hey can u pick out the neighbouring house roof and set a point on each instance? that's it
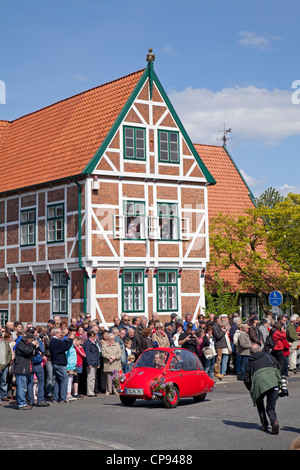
(230, 195)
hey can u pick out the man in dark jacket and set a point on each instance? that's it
(58, 349)
(262, 378)
(22, 368)
(219, 335)
(92, 360)
(38, 371)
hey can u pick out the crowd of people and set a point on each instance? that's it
(62, 362)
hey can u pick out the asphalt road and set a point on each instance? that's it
(226, 420)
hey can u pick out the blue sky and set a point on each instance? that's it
(230, 62)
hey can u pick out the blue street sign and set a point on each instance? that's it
(275, 298)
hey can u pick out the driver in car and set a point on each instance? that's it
(158, 361)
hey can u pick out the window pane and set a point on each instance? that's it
(164, 156)
(140, 153)
(30, 238)
(162, 277)
(165, 228)
(139, 209)
(172, 277)
(140, 134)
(174, 229)
(129, 142)
(163, 209)
(23, 216)
(172, 298)
(51, 231)
(163, 136)
(174, 157)
(55, 280)
(63, 293)
(173, 137)
(173, 209)
(138, 298)
(59, 230)
(63, 279)
(129, 152)
(138, 277)
(51, 212)
(128, 277)
(59, 211)
(129, 208)
(162, 298)
(128, 298)
(129, 132)
(55, 305)
(31, 216)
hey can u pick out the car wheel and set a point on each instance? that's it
(200, 398)
(171, 400)
(127, 401)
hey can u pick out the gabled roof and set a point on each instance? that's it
(230, 195)
(58, 141)
(68, 138)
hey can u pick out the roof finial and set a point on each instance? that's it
(224, 138)
(150, 56)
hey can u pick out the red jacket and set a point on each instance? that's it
(80, 355)
(281, 343)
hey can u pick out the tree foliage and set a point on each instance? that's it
(263, 244)
(220, 298)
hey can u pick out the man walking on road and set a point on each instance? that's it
(262, 379)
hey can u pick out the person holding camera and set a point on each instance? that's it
(188, 339)
(22, 368)
(37, 371)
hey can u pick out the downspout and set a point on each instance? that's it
(80, 245)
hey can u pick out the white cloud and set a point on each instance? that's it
(249, 38)
(254, 114)
(286, 188)
(252, 182)
(170, 51)
(81, 78)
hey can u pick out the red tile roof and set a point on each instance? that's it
(230, 195)
(52, 143)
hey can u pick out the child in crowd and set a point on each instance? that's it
(130, 362)
(71, 370)
(80, 353)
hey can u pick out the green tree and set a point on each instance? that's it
(220, 298)
(282, 224)
(240, 241)
(270, 197)
(263, 244)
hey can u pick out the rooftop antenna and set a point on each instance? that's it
(224, 138)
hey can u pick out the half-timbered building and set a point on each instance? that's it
(103, 207)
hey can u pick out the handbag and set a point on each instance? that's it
(208, 352)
